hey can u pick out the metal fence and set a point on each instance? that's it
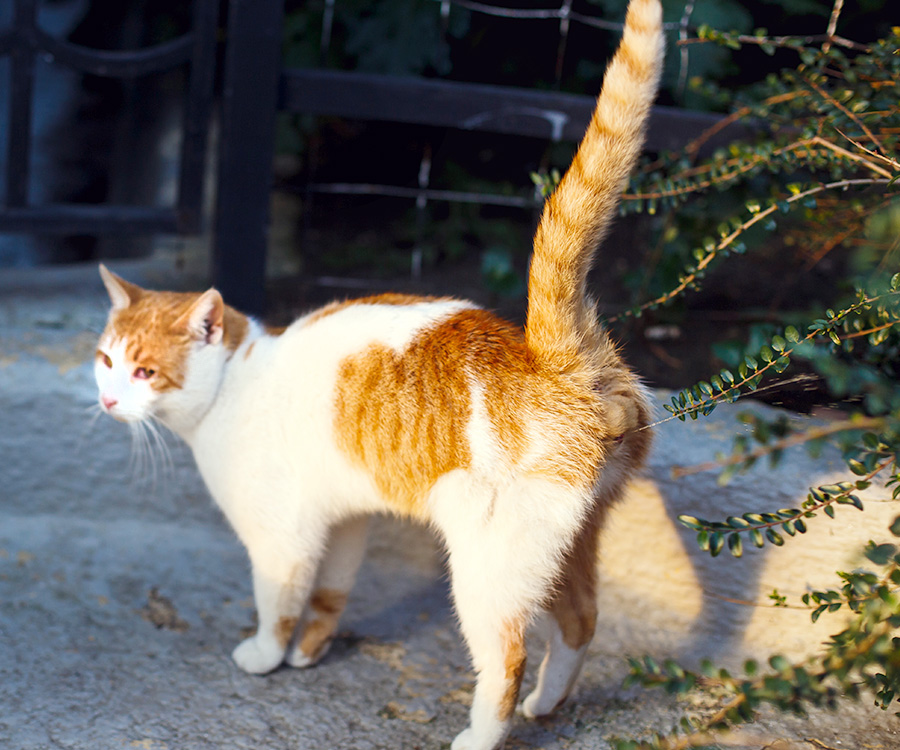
(254, 89)
(24, 42)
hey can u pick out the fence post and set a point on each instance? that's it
(246, 150)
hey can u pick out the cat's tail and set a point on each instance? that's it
(561, 321)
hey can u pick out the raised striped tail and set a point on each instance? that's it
(578, 214)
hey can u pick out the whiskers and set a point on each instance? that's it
(151, 459)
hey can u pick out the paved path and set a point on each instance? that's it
(122, 591)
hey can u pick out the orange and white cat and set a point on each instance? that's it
(512, 444)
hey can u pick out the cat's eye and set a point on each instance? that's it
(104, 358)
(144, 373)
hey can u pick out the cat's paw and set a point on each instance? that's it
(256, 656)
(529, 707)
(463, 740)
(533, 707)
(296, 657)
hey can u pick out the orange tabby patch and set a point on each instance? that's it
(151, 339)
(574, 604)
(326, 606)
(284, 630)
(404, 416)
(514, 662)
(156, 339)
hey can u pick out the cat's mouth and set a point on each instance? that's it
(118, 414)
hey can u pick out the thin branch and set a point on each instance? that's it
(785, 41)
(799, 438)
(832, 24)
(819, 141)
(729, 239)
(825, 95)
(682, 34)
(883, 157)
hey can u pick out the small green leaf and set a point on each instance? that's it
(774, 537)
(735, 545)
(691, 522)
(703, 540)
(857, 467)
(716, 542)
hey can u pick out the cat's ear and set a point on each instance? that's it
(205, 319)
(121, 293)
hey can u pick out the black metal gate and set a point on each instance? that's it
(23, 42)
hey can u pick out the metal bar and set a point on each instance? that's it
(399, 191)
(197, 111)
(249, 95)
(468, 106)
(18, 161)
(88, 219)
(116, 63)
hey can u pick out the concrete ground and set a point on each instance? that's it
(122, 591)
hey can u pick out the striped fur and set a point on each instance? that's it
(511, 444)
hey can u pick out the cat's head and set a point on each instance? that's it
(161, 353)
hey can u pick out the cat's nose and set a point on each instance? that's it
(108, 402)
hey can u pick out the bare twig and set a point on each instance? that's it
(816, 433)
(825, 95)
(832, 23)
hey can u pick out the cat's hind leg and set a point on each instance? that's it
(497, 646)
(505, 548)
(568, 624)
(337, 574)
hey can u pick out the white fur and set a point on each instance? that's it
(116, 383)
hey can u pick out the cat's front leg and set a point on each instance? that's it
(281, 585)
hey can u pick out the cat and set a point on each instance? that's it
(512, 444)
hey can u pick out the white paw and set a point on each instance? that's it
(257, 657)
(532, 707)
(297, 658)
(529, 707)
(468, 740)
(463, 740)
